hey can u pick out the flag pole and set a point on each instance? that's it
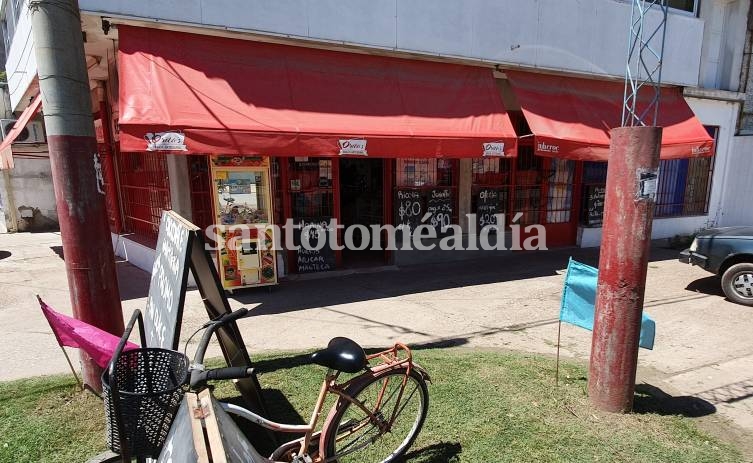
(557, 369)
(73, 370)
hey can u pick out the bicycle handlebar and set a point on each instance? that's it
(198, 374)
(202, 377)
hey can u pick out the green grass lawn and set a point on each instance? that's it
(484, 406)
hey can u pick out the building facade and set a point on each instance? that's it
(373, 112)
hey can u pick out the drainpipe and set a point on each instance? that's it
(745, 65)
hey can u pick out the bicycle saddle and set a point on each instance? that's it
(341, 354)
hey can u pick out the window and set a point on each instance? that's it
(144, 194)
(310, 188)
(684, 5)
(685, 185)
(423, 185)
(594, 190)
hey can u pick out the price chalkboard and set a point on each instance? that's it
(314, 260)
(487, 206)
(595, 195)
(439, 206)
(167, 289)
(409, 208)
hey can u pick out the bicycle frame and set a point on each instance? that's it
(389, 359)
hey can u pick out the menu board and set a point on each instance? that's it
(314, 260)
(409, 208)
(487, 205)
(167, 289)
(595, 195)
(439, 205)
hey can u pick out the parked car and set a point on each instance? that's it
(727, 252)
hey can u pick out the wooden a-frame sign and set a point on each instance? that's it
(202, 432)
(181, 246)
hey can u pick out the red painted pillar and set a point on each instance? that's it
(108, 164)
(76, 169)
(626, 238)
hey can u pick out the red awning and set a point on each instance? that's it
(571, 118)
(202, 94)
(6, 154)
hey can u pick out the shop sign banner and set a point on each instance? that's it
(165, 141)
(494, 149)
(702, 150)
(353, 146)
(544, 147)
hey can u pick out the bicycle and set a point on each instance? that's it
(366, 422)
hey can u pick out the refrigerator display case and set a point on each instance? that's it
(243, 213)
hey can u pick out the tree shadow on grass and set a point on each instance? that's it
(442, 452)
(651, 399)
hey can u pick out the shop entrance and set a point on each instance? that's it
(361, 203)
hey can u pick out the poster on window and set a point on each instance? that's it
(416, 172)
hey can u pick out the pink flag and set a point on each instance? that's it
(99, 344)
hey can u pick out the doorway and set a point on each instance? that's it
(361, 203)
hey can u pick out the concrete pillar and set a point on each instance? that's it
(464, 192)
(8, 218)
(84, 228)
(180, 184)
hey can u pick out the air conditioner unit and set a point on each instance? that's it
(33, 133)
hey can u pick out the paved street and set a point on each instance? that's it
(704, 346)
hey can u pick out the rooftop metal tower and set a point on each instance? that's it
(644, 62)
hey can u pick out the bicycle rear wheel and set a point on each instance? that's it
(352, 436)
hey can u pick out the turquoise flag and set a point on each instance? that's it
(579, 298)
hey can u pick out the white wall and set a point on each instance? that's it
(738, 197)
(21, 63)
(723, 42)
(585, 36)
(33, 195)
(710, 112)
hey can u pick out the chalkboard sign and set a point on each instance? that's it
(595, 195)
(185, 441)
(167, 289)
(439, 206)
(409, 208)
(487, 206)
(180, 246)
(314, 260)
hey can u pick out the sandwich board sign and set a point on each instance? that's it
(167, 289)
(180, 247)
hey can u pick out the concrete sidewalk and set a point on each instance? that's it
(704, 346)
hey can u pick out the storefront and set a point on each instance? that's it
(369, 140)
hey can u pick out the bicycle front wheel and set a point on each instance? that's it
(397, 403)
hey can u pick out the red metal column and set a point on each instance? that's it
(64, 84)
(108, 166)
(628, 213)
(336, 200)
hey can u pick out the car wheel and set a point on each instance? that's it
(737, 283)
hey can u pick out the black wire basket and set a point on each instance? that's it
(141, 398)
